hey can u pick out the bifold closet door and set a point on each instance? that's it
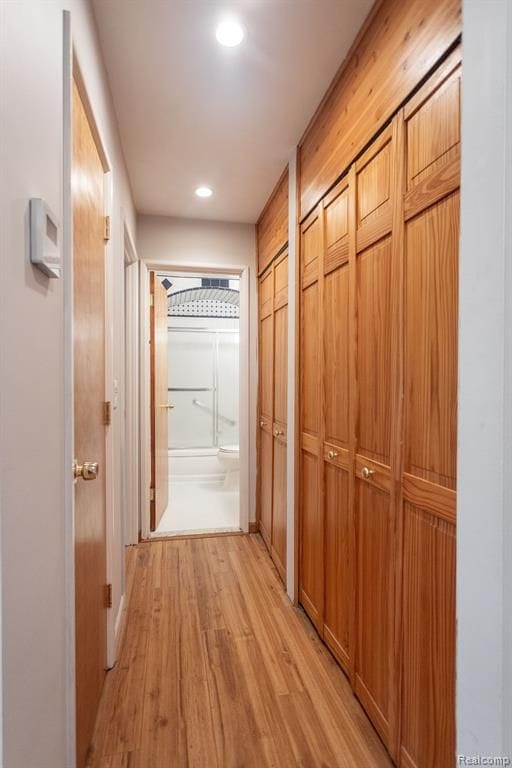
(266, 359)
(339, 549)
(311, 570)
(278, 541)
(431, 213)
(374, 305)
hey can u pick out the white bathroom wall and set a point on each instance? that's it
(169, 241)
(37, 684)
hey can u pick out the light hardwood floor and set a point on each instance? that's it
(217, 669)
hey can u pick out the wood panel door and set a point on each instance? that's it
(160, 405)
(431, 213)
(278, 548)
(266, 405)
(89, 424)
(339, 529)
(375, 300)
(311, 557)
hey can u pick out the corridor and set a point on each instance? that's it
(216, 668)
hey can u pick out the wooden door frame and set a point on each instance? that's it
(247, 459)
(72, 71)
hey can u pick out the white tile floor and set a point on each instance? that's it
(199, 508)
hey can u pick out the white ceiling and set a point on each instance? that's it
(191, 112)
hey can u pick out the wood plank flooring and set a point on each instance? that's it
(218, 670)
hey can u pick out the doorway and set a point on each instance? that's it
(201, 403)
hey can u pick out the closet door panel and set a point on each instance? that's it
(265, 492)
(278, 549)
(430, 420)
(281, 364)
(336, 356)
(431, 342)
(311, 578)
(374, 351)
(279, 507)
(374, 608)
(312, 539)
(266, 404)
(428, 723)
(338, 576)
(374, 381)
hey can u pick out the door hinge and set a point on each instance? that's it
(151, 494)
(108, 595)
(107, 413)
(106, 231)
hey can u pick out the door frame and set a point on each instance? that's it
(72, 70)
(243, 382)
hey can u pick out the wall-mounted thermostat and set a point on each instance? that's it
(44, 238)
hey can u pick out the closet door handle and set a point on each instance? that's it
(367, 473)
(262, 423)
(278, 432)
(332, 454)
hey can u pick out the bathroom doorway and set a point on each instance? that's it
(202, 405)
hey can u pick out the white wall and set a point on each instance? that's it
(484, 514)
(166, 240)
(33, 463)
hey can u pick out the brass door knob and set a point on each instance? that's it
(262, 423)
(278, 432)
(87, 471)
(332, 454)
(366, 472)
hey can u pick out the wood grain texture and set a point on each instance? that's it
(339, 581)
(88, 419)
(265, 479)
(428, 684)
(159, 400)
(278, 549)
(399, 47)
(272, 226)
(431, 311)
(374, 351)
(218, 670)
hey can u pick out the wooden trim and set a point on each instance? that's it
(336, 191)
(199, 535)
(272, 195)
(398, 183)
(375, 229)
(443, 73)
(353, 48)
(378, 143)
(439, 501)
(433, 187)
(297, 413)
(270, 264)
(254, 527)
(352, 331)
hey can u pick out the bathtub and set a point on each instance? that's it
(200, 465)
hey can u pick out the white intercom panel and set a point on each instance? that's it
(44, 238)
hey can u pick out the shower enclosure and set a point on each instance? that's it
(203, 387)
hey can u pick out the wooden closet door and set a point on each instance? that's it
(431, 212)
(311, 571)
(278, 549)
(339, 583)
(266, 358)
(375, 309)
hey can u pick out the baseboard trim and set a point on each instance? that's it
(254, 527)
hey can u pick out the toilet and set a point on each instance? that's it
(229, 458)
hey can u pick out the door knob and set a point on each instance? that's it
(87, 471)
(262, 423)
(169, 406)
(366, 473)
(278, 432)
(332, 454)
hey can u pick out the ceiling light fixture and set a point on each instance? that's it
(204, 192)
(229, 33)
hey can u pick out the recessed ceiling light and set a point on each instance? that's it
(204, 192)
(229, 33)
